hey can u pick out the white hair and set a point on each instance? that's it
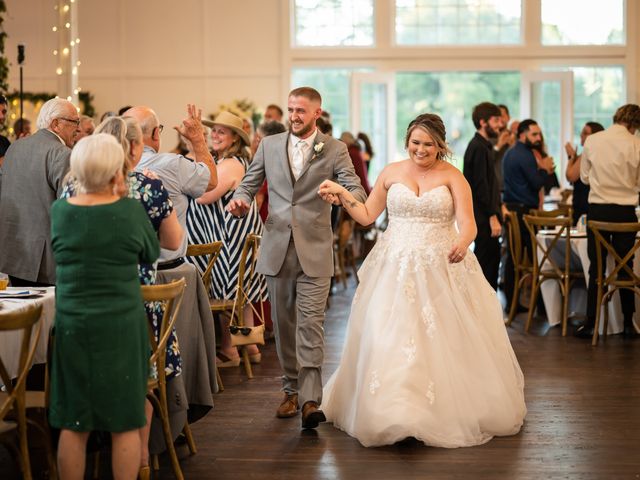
(95, 160)
(52, 109)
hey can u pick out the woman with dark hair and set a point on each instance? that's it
(426, 353)
(367, 149)
(580, 200)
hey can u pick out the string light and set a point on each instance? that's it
(65, 8)
(65, 51)
(67, 58)
(59, 71)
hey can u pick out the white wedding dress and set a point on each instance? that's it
(426, 353)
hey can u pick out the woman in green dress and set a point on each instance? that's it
(101, 349)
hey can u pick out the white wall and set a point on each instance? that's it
(162, 53)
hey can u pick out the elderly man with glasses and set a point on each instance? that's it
(30, 180)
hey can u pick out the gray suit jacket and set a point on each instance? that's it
(294, 206)
(32, 175)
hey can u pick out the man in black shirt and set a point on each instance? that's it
(479, 170)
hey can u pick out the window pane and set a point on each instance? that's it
(333, 84)
(333, 23)
(583, 22)
(458, 22)
(452, 95)
(597, 93)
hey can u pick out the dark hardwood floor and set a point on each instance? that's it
(583, 421)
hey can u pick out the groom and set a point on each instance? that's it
(296, 254)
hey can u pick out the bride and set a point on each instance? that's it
(426, 353)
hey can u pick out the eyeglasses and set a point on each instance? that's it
(243, 330)
(160, 128)
(71, 120)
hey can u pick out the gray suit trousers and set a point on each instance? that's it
(298, 305)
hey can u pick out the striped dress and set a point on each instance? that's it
(211, 223)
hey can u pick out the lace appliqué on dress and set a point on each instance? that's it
(374, 384)
(409, 350)
(429, 319)
(431, 394)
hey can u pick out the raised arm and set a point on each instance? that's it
(191, 129)
(231, 172)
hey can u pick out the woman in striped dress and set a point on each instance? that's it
(207, 221)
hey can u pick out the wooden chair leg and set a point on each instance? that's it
(246, 363)
(45, 434)
(24, 444)
(191, 443)
(565, 307)
(532, 303)
(596, 326)
(163, 411)
(219, 380)
(515, 298)
(155, 462)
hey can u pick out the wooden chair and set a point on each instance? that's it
(235, 306)
(171, 296)
(14, 401)
(212, 250)
(561, 211)
(609, 283)
(343, 248)
(544, 266)
(521, 264)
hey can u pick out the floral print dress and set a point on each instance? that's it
(158, 206)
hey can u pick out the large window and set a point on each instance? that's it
(583, 22)
(333, 23)
(458, 22)
(452, 95)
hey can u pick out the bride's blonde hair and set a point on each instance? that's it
(434, 126)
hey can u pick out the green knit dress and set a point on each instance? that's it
(101, 347)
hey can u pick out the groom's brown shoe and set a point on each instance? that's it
(312, 416)
(289, 406)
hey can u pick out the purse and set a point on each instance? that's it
(242, 335)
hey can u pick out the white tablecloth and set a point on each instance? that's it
(10, 342)
(552, 297)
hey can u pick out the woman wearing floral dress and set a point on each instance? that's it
(208, 221)
(150, 192)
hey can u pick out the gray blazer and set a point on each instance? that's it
(294, 206)
(32, 175)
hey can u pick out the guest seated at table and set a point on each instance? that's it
(580, 198)
(101, 348)
(208, 220)
(150, 192)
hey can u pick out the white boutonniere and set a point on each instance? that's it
(317, 148)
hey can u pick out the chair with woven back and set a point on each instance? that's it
(211, 252)
(13, 402)
(170, 295)
(544, 266)
(235, 307)
(611, 282)
(521, 263)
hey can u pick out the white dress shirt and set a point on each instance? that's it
(300, 153)
(610, 165)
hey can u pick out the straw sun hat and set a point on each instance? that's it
(232, 122)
